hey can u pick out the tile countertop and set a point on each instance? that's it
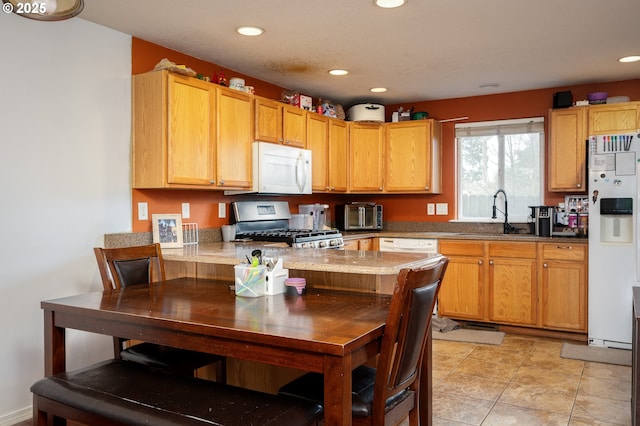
(324, 260)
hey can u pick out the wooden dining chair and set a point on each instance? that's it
(142, 265)
(385, 395)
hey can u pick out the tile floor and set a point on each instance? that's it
(524, 382)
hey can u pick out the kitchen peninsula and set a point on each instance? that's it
(353, 270)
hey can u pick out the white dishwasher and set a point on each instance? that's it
(409, 245)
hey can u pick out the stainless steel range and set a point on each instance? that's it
(269, 221)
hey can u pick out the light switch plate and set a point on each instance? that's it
(222, 210)
(186, 211)
(431, 209)
(442, 208)
(143, 211)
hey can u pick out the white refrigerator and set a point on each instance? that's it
(613, 237)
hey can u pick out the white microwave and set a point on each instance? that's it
(279, 169)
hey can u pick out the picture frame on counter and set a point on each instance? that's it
(167, 230)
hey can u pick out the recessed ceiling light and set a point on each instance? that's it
(489, 85)
(378, 89)
(389, 4)
(633, 58)
(338, 72)
(250, 31)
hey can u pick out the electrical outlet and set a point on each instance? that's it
(143, 211)
(431, 209)
(442, 208)
(222, 210)
(186, 211)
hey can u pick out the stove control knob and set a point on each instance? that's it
(322, 243)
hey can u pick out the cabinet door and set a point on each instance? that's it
(233, 145)
(409, 157)
(190, 131)
(294, 126)
(563, 271)
(461, 294)
(461, 291)
(268, 116)
(366, 157)
(338, 155)
(512, 291)
(318, 143)
(564, 295)
(513, 284)
(567, 150)
(614, 118)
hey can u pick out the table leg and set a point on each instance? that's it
(54, 346)
(425, 408)
(337, 391)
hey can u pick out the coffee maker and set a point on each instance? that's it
(319, 213)
(542, 220)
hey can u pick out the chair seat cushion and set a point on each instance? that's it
(171, 359)
(310, 387)
(136, 395)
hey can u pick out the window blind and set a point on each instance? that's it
(500, 127)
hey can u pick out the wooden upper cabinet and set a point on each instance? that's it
(318, 143)
(177, 142)
(366, 149)
(338, 155)
(412, 156)
(568, 149)
(614, 118)
(276, 122)
(294, 126)
(173, 131)
(234, 138)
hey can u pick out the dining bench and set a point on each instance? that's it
(117, 392)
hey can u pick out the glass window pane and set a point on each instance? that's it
(487, 163)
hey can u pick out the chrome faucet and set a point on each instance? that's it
(508, 228)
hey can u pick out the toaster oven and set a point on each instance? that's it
(359, 216)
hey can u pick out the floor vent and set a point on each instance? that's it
(480, 326)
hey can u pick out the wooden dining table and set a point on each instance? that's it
(329, 332)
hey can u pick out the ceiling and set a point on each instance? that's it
(423, 50)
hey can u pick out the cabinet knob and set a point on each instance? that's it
(480, 262)
(426, 188)
(579, 185)
(380, 188)
(564, 247)
(212, 182)
(544, 265)
(491, 262)
(221, 182)
(287, 142)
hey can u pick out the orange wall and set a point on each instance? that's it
(204, 204)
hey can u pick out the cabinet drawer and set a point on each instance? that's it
(516, 250)
(461, 248)
(576, 252)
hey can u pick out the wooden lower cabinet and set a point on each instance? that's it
(360, 244)
(512, 291)
(462, 290)
(563, 303)
(526, 284)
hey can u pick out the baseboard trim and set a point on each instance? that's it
(16, 417)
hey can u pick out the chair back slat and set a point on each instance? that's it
(405, 334)
(126, 266)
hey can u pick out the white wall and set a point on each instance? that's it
(65, 118)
